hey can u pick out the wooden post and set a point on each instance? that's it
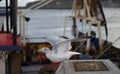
(79, 7)
(85, 9)
(74, 9)
(65, 23)
(100, 38)
(15, 63)
(88, 40)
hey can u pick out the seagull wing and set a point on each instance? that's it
(66, 44)
(60, 43)
(73, 40)
(54, 40)
(50, 40)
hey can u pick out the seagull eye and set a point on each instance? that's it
(45, 49)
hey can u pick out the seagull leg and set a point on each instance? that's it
(55, 65)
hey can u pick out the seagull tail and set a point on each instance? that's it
(75, 53)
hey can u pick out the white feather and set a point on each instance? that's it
(60, 49)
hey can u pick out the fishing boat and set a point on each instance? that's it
(22, 52)
(90, 13)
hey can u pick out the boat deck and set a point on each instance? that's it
(30, 69)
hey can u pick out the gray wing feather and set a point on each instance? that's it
(60, 44)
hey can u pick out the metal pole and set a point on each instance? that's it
(7, 28)
(11, 25)
(74, 27)
(14, 21)
(7, 16)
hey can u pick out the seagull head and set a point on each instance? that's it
(43, 50)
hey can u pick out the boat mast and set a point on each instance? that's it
(91, 16)
(13, 20)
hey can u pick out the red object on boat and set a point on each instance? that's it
(7, 39)
(6, 42)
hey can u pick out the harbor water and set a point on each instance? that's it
(45, 22)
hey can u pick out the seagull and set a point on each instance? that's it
(61, 46)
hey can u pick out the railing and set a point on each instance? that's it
(3, 55)
(30, 11)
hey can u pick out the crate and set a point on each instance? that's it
(87, 67)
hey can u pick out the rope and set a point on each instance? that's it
(103, 16)
(113, 15)
(79, 46)
(43, 3)
(33, 6)
(109, 20)
(107, 48)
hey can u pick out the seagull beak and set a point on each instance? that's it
(40, 51)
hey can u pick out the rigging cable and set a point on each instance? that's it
(99, 3)
(107, 48)
(105, 23)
